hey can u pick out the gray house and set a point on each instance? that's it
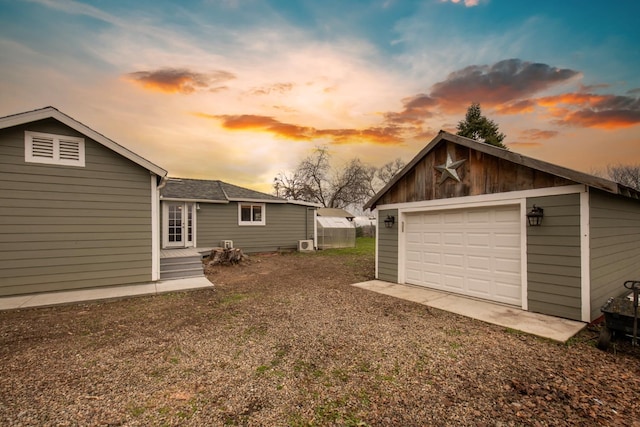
(202, 214)
(457, 219)
(77, 210)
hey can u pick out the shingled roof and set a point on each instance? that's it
(212, 191)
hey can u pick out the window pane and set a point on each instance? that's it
(245, 213)
(257, 213)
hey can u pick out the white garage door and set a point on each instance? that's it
(474, 252)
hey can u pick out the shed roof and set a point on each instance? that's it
(215, 191)
(566, 173)
(54, 113)
(334, 212)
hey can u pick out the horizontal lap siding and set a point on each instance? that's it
(615, 246)
(64, 227)
(285, 225)
(553, 258)
(388, 247)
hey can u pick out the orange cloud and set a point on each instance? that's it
(416, 109)
(524, 144)
(384, 135)
(277, 87)
(537, 134)
(592, 110)
(175, 80)
(519, 107)
(266, 124)
(500, 83)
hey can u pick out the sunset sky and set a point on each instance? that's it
(242, 90)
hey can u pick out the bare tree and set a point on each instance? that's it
(386, 172)
(351, 185)
(628, 175)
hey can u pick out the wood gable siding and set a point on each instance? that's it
(553, 258)
(65, 227)
(615, 246)
(480, 174)
(285, 224)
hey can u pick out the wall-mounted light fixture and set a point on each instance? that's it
(535, 215)
(197, 206)
(389, 221)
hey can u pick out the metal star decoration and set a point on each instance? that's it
(448, 170)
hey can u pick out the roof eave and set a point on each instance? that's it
(560, 171)
(51, 112)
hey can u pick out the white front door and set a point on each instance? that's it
(474, 252)
(178, 224)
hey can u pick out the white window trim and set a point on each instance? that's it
(263, 207)
(56, 158)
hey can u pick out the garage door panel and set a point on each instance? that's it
(507, 240)
(507, 265)
(454, 281)
(453, 218)
(479, 240)
(474, 252)
(452, 239)
(507, 290)
(478, 217)
(431, 238)
(453, 260)
(480, 264)
(433, 258)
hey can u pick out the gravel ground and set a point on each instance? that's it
(285, 340)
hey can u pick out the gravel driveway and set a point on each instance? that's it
(285, 340)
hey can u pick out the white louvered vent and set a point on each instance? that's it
(69, 150)
(42, 147)
(53, 149)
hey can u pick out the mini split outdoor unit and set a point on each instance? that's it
(305, 245)
(226, 244)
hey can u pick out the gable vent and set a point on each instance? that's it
(42, 147)
(69, 150)
(54, 149)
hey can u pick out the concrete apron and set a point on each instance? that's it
(105, 293)
(550, 327)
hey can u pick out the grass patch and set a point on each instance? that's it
(233, 298)
(364, 246)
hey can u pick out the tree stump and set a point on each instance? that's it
(225, 256)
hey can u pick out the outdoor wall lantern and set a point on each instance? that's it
(389, 221)
(534, 216)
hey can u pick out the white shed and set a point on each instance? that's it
(336, 229)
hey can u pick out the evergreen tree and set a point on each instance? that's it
(478, 127)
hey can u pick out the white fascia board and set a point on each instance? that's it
(302, 203)
(482, 200)
(237, 199)
(177, 199)
(50, 112)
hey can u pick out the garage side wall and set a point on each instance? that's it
(615, 246)
(66, 227)
(388, 247)
(553, 258)
(285, 225)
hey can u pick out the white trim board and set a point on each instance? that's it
(483, 199)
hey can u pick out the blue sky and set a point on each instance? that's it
(242, 90)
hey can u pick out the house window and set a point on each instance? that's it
(251, 214)
(53, 149)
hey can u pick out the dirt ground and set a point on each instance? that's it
(285, 340)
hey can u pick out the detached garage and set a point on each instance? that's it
(456, 219)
